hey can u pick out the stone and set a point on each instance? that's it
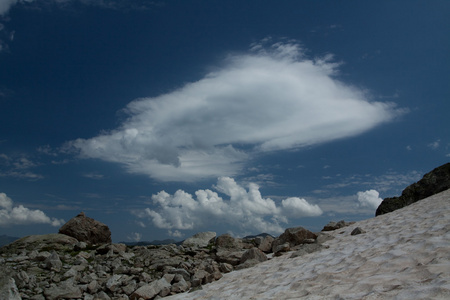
(281, 248)
(53, 262)
(225, 268)
(434, 182)
(52, 241)
(87, 230)
(253, 254)
(200, 240)
(228, 242)
(336, 225)
(66, 289)
(266, 244)
(8, 289)
(294, 236)
(149, 291)
(357, 231)
(306, 249)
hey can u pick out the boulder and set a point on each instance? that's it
(52, 241)
(357, 230)
(294, 236)
(149, 291)
(266, 244)
(432, 183)
(200, 240)
(8, 288)
(253, 254)
(226, 241)
(87, 230)
(336, 225)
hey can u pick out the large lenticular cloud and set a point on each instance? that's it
(267, 100)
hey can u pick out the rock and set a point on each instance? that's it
(229, 256)
(225, 268)
(8, 288)
(306, 249)
(434, 182)
(53, 262)
(66, 289)
(53, 241)
(277, 250)
(150, 290)
(266, 244)
(228, 242)
(200, 240)
(87, 230)
(293, 236)
(357, 231)
(336, 225)
(253, 254)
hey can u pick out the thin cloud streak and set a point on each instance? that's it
(270, 99)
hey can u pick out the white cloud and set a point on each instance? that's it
(273, 99)
(434, 145)
(5, 5)
(20, 215)
(135, 236)
(175, 233)
(369, 198)
(245, 209)
(17, 167)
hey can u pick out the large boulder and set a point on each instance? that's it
(294, 236)
(432, 183)
(53, 241)
(87, 230)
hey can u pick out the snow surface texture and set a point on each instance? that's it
(404, 254)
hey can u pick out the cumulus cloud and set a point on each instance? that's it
(20, 215)
(272, 98)
(244, 209)
(135, 236)
(369, 198)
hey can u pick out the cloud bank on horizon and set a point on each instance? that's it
(272, 98)
(20, 215)
(246, 210)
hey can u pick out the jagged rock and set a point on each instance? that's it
(266, 244)
(336, 225)
(434, 182)
(294, 236)
(225, 268)
(253, 254)
(87, 230)
(53, 262)
(200, 240)
(150, 290)
(228, 242)
(357, 231)
(8, 288)
(66, 289)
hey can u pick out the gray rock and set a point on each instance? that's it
(8, 289)
(226, 241)
(53, 262)
(306, 249)
(87, 230)
(266, 244)
(357, 231)
(150, 290)
(293, 236)
(278, 249)
(66, 289)
(253, 254)
(434, 182)
(200, 240)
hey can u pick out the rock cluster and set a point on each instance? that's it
(432, 183)
(57, 266)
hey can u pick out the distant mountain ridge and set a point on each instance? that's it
(5, 239)
(155, 243)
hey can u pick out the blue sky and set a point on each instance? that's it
(166, 118)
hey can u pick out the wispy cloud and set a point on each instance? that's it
(18, 167)
(270, 99)
(245, 210)
(434, 145)
(96, 176)
(11, 214)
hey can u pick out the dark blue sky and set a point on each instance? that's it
(263, 114)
